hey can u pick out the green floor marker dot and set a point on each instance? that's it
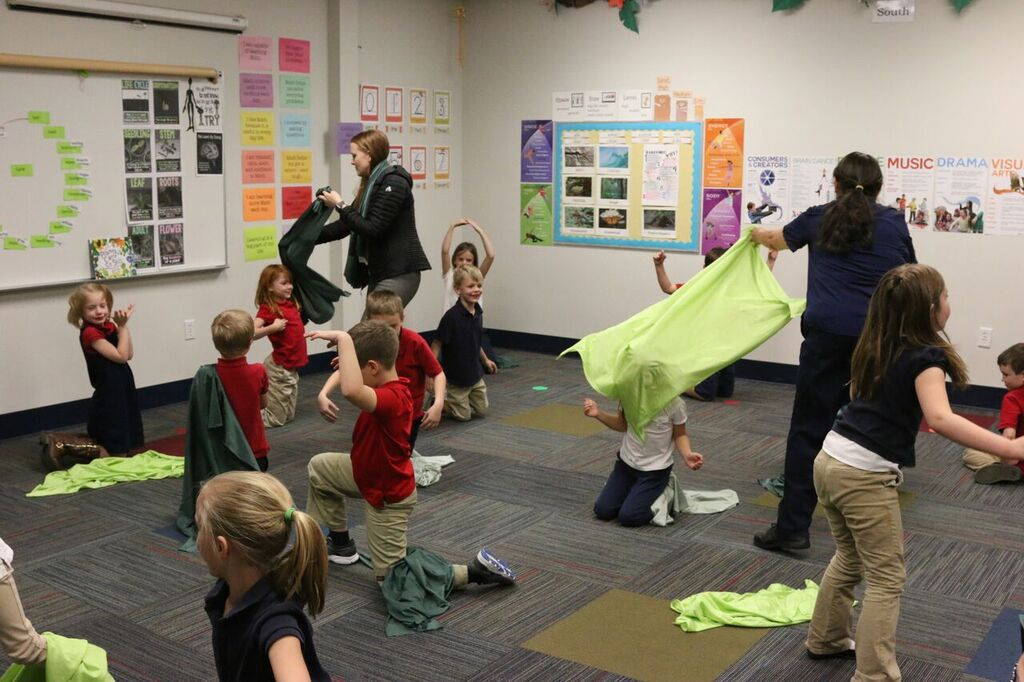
(540, 388)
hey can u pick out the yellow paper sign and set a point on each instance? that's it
(258, 204)
(260, 243)
(296, 168)
(257, 129)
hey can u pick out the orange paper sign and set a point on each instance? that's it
(258, 204)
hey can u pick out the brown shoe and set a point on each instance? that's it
(57, 446)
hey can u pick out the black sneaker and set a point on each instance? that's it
(342, 554)
(997, 472)
(773, 540)
(844, 653)
(487, 569)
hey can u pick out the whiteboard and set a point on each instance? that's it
(47, 229)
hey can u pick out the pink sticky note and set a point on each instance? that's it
(293, 55)
(254, 53)
(295, 200)
(256, 90)
(257, 167)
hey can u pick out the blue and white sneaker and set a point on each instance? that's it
(490, 570)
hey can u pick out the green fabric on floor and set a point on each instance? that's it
(776, 486)
(106, 471)
(415, 591)
(774, 606)
(67, 660)
(727, 310)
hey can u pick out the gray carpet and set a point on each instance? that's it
(91, 564)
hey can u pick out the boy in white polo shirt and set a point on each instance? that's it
(642, 468)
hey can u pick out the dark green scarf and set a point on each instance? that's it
(357, 262)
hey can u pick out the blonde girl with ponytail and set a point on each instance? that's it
(270, 561)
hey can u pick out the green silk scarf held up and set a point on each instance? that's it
(727, 310)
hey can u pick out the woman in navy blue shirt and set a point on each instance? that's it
(852, 242)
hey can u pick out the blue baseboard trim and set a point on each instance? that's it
(54, 417)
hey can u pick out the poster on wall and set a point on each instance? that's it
(442, 110)
(909, 187)
(812, 183)
(165, 102)
(766, 186)
(535, 215)
(723, 153)
(418, 109)
(961, 187)
(135, 101)
(720, 219)
(206, 105)
(628, 184)
(1004, 212)
(393, 109)
(535, 151)
(418, 162)
(369, 103)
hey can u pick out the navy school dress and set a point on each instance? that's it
(114, 419)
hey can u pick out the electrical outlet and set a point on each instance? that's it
(984, 337)
(190, 330)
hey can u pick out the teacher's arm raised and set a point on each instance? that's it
(332, 232)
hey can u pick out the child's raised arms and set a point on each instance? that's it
(349, 373)
(446, 246)
(930, 386)
(666, 284)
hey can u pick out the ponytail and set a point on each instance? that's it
(849, 221)
(301, 572)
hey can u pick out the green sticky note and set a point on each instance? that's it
(260, 243)
(294, 91)
(53, 132)
(39, 117)
(69, 147)
(21, 170)
(73, 179)
(67, 211)
(540, 388)
(69, 163)
(59, 227)
(42, 241)
(13, 244)
(76, 194)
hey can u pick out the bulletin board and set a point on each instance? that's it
(628, 184)
(67, 158)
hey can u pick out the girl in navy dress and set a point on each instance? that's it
(114, 419)
(898, 372)
(270, 561)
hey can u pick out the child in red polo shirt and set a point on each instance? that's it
(378, 469)
(415, 362)
(278, 317)
(244, 383)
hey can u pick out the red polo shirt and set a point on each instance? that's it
(245, 383)
(380, 446)
(415, 362)
(289, 344)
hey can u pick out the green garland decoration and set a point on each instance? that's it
(783, 5)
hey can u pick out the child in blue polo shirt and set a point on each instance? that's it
(457, 345)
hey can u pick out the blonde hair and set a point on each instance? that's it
(464, 272)
(901, 317)
(383, 302)
(76, 301)
(250, 508)
(374, 340)
(232, 332)
(267, 278)
(374, 144)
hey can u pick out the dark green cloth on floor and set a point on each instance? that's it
(214, 443)
(415, 591)
(774, 485)
(315, 293)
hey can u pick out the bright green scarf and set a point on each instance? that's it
(724, 312)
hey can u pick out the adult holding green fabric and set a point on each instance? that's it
(852, 242)
(384, 251)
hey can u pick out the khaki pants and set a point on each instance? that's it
(462, 403)
(331, 480)
(18, 639)
(282, 394)
(863, 510)
(976, 459)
